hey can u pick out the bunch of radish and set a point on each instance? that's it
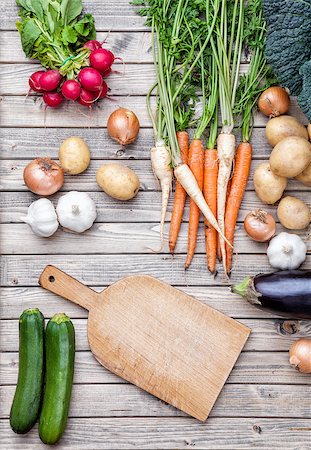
(86, 88)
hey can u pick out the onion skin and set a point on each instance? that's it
(259, 225)
(123, 126)
(43, 176)
(300, 355)
(274, 101)
(287, 292)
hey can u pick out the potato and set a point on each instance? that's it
(281, 127)
(290, 156)
(118, 181)
(293, 213)
(305, 176)
(74, 155)
(268, 186)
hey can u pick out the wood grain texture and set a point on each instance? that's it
(34, 142)
(117, 238)
(29, 113)
(134, 47)
(158, 338)
(171, 433)
(25, 270)
(15, 299)
(261, 384)
(106, 13)
(11, 174)
(267, 334)
(145, 207)
(250, 368)
(14, 78)
(107, 400)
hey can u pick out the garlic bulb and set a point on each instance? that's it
(76, 211)
(41, 217)
(286, 251)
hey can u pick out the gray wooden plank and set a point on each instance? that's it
(24, 270)
(171, 433)
(145, 207)
(117, 238)
(15, 299)
(14, 79)
(11, 174)
(34, 142)
(239, 400)
(251, 368)
(108, 15)
(16, 112)
(131, 47)
(266, 335)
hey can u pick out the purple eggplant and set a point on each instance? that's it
(287, 292)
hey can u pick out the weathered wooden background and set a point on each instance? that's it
(265, 404)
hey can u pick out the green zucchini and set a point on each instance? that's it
(27, 399)
(60, 353)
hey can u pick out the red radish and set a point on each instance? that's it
(71, 90)
(101, 59)
(92, 45)
(90, 79)
(108, 72)
(103, 91)
(34, 81)
(50, 80)
(86, 98)
(53, 99)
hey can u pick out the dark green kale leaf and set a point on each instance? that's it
(289, 39)
(304, 98)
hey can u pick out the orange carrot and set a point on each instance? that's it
(219, 255)
(238, 186)
(196, 164)
(210, 195)
(180, 193)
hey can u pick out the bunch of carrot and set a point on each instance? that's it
(197, 50)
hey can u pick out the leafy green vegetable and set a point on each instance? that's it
(54, 32)
(259, 76)
(304, 98)
(289, 39)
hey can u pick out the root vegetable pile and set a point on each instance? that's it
(64, 42)
(197, 51)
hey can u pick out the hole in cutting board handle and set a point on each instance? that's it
(51, 278)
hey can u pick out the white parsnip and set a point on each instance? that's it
(186, 178)
(225, 152)
(161, 166)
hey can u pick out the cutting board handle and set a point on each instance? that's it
(58, 282)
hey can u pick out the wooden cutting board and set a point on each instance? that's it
(157, 337)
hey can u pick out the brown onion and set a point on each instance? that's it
(300, 355)
(43, 176)
(123, 126)
(259, 225)
(274, 101)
